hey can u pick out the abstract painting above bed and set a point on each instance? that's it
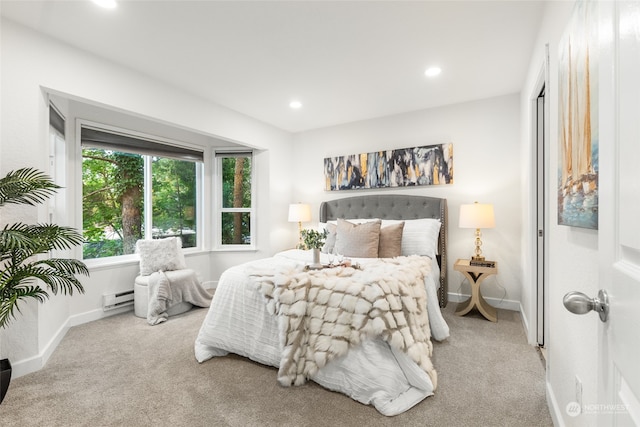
(402, 167)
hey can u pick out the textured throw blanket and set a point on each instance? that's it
(169, 288)
(321, 313)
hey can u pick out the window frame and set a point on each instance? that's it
(147, 190)
(218, 156)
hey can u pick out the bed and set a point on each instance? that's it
(379, 361)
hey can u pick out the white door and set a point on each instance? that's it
(619, 214)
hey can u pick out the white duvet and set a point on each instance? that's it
(372, 373)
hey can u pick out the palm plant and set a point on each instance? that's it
(20, 268)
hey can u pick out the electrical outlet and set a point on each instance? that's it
(578, 391)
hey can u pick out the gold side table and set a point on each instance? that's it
(476, 275)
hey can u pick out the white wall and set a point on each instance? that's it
(573, 252)
(486, 152)
(31, 62)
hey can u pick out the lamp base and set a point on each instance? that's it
(477, 258)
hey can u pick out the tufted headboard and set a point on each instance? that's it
(396, 206)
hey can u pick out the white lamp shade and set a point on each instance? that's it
(476, 215)
(299, 212)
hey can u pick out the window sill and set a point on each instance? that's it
(235, 249)
(97, 264)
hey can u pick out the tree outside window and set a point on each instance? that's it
(236, 200)
(114, 199)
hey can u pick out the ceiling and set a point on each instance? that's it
(344, 61)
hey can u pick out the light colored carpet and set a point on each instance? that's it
(120, 371)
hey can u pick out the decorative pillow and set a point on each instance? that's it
(160, 254)
(358, 240)
(420, 237)
(390, 244)
(330, 241)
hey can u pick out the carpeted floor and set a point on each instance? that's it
(120, 371)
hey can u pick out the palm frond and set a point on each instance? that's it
(9, 300)
(20, 241)
(60, 282)
(56, 280)
(66, 265)
(26, 186)
(16, 236)
(52, 236)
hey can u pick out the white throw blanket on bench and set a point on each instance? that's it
(321, 313)
(172, 287)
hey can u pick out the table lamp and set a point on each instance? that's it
(299, 212)
(477, 216)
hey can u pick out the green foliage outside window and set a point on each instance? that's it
(174, 200)
(113, 201)
(236, 194)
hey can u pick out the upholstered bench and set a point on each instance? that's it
(141, 300)
(165, 286)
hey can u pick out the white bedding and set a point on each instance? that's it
(372, 373)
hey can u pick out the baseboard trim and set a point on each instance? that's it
(531, 335)
(26, 366)
(504, 304)
(97, 314)
(37, 362)
(554, 410)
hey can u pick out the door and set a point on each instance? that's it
(540, 216)
(619, 214)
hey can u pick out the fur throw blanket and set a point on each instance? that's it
(321, 313)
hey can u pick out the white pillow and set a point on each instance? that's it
(420, 237)
(160, 254)
(330, 241)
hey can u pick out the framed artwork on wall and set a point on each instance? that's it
(578, 120)
(403, 167)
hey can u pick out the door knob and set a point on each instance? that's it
(579, 303)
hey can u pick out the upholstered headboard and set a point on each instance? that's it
(396, 206)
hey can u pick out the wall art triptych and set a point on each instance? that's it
(403, 167)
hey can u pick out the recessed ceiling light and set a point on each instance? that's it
(432, 71)
(107, 4)
(295, 105)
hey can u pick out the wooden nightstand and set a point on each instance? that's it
(476, 275)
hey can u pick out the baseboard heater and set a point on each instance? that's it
(120, 299)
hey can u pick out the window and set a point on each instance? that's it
(235, 199)
(134, 188)
(56, 171)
